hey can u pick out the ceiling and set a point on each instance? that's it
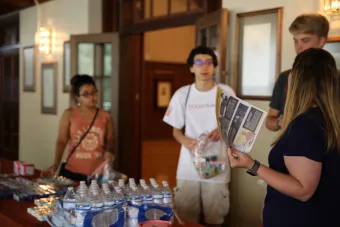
(10, 6)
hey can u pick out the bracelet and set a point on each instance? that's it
(278, 127)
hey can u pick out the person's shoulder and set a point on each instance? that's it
(104, 112)
(309, 120)
(182, 91)
(285, 74)
(69, 111)
(226, 88)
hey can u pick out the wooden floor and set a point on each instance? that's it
(159, 160)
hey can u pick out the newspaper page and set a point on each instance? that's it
(238, 121)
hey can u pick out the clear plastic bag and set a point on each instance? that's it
(208, 162)
(105, 173)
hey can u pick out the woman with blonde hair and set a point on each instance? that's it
(304, 164)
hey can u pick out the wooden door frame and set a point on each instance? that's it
(10, 49)
(219, 18)
(131, 53)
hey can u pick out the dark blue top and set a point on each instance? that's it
(278, 99)
(305, 137)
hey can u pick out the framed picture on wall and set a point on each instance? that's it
(258, 53)
(29, 68)
(163, 92)
(66, 67)
(333, 47)
(49, 88)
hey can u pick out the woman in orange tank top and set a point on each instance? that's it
(96, 147)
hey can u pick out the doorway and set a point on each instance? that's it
(9, 103)
(9, 87)
(164, 71)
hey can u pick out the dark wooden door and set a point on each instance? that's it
(160, 152)
(9, 103)
(158, 78)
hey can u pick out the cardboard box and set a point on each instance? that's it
(26, 169)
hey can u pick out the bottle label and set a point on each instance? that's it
(97, 206)
(158, 200)
(167, 200)
(68, 205)
(80, 217)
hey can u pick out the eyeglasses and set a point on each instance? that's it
(200, 63)
(87, 94)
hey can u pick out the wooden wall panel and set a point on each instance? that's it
(159, 160)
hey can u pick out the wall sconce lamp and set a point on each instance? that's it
(332, 7)
(45, 40)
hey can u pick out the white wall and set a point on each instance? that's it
(38, 132)
(247, 195)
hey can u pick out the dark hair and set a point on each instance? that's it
(201, 50)
(78, 81)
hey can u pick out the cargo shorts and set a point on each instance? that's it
(192, 198)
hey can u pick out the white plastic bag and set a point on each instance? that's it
(105, 172)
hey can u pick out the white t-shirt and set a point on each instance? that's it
(200, 117)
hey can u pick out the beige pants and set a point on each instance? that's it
(192, 196)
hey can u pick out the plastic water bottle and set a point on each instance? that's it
(133, 209)
(157, 195)
(82, 204)
(119, 197)
(147, 195)
(69, 201)
(96, 198)
(142, 182)
(153, 182)
(167, 194)
(132, 181)
(109, 202)
(121, 185)
(93, 186)
(108, 196)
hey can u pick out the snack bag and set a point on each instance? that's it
(208, 162)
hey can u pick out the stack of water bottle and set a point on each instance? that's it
(116, 204)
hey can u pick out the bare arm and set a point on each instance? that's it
(271, 120)
(182, 139)
(300, 183)
(109, 140)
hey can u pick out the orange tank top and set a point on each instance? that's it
(90, 153)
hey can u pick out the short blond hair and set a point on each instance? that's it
(311, 23)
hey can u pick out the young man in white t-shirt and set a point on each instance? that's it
(193, 107)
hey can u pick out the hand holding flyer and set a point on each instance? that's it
(238, 121)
